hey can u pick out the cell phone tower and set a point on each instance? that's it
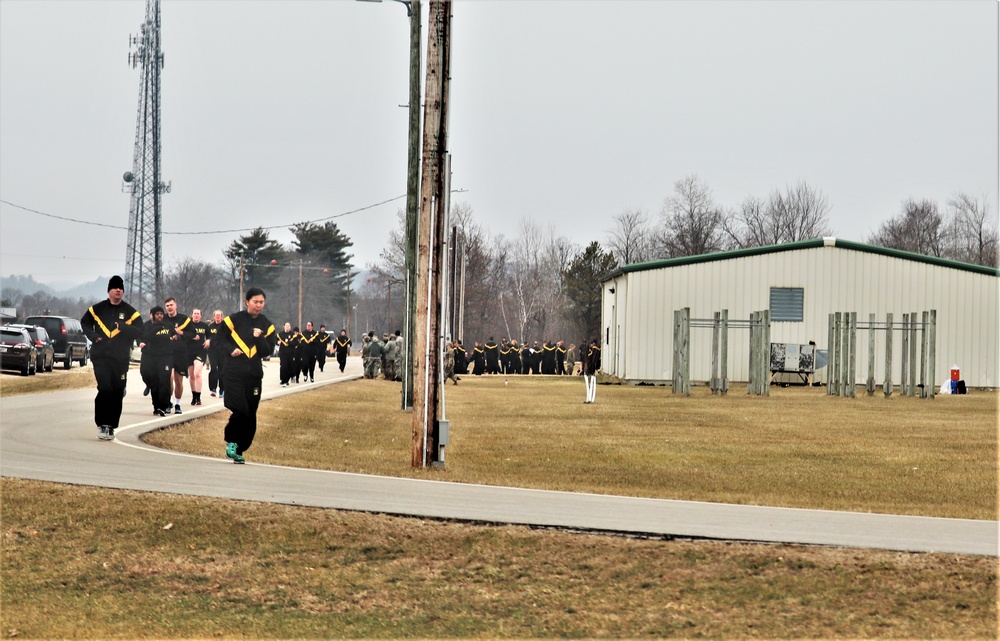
(144, 260)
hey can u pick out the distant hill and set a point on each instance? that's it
(95, 289)
(26, 284)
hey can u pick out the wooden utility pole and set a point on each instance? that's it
(431, 241)
(412, 205)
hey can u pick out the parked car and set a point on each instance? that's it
(44, 346)
(69, 341)
(17, 351)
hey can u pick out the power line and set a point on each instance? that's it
(201, 233)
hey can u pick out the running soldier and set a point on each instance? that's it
(322, 347)
(197, 333)
(177, 322)
(286, 354)
(343, 348)
(157, 361)
(112, 326)
(216, 357)
(248, 337)
(308, 353)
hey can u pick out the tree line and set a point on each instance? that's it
(535, 284)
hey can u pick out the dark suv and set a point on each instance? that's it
(69, 341)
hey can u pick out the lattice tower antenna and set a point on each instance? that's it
(144, 260)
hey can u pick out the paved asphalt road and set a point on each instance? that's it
(60, 444)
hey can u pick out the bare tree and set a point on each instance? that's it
(195, 283)
(798, 213)
(631, 239)
(918, 228)
(392, 258)
(692, 220)
(483, 257)
(973, 233)
(524, 275)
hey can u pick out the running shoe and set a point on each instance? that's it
(231, 450)
(239, 459)
(102, 433)
(177, 409)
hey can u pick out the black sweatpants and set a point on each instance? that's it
(242, 399)
(156, 375)
(216, 360)
(111, 378)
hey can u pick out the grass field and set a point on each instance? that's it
(92, 563)
(796, 448)
(97, 563)
(13, 384)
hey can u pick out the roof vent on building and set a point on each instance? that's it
(829, 241)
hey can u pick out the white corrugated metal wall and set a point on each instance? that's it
(638, 316)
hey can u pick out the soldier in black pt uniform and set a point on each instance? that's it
(216, 357)
(248, 337)
(112, 326)
(343, 348)
(461, 358)
(157, 361)
(286, 354)
(197, 334)
(525, 358)
(177, 322)
(308, 353)
(322, 345)
(492, 357)
(548, 358)
(478, 359)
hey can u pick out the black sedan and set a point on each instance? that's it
(17, 350)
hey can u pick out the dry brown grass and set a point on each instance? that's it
(13, 384)
(796, 448)
(96, 563)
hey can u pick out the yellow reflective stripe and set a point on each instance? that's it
(249, 352)
(134, 316)
(107, 332)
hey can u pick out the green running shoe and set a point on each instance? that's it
(238, 459)
(231, 450)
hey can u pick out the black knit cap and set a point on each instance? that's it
(116, 282)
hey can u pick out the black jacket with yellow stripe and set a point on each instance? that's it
(112, 329)
(236, 333)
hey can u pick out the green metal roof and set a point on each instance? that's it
(802, 244)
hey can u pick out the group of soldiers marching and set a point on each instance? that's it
(511, 357)
(301, 353)
(383, 357)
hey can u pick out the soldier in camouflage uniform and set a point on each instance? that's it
(449, 364)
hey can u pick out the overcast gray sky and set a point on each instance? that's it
(564, 112)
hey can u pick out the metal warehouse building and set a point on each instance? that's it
(801, 283)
